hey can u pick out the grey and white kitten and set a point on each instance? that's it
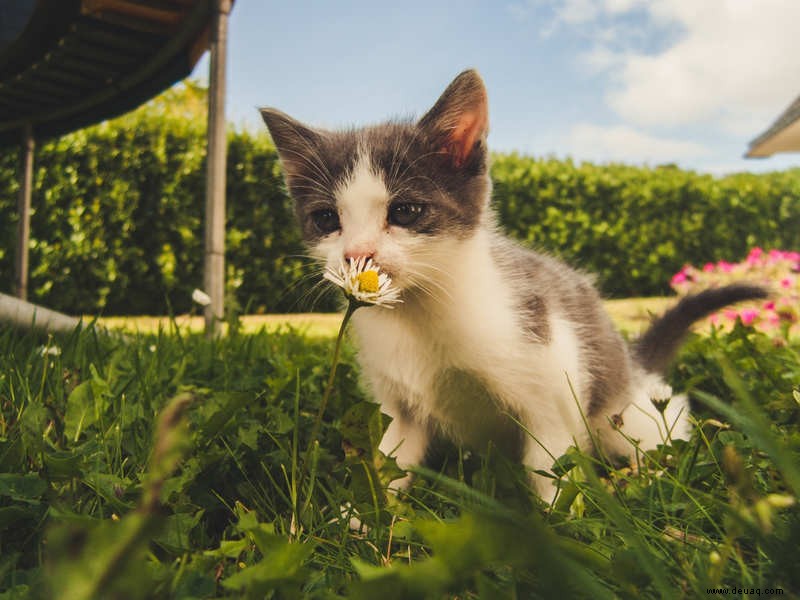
(490, 335)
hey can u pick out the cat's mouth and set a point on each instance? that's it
(389, 272)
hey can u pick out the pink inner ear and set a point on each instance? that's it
(468, 130)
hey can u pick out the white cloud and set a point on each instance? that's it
(733, 69)
(574, 12)
(552, 13)
(621, 6)
(621, 143)
(520, 11)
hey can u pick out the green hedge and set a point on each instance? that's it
(117, 226)
(635, 227)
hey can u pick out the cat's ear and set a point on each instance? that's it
(459, 121)
(293, 140)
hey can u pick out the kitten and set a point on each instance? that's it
(490, 335)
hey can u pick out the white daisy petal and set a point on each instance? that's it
(201, 297)
(350, 277)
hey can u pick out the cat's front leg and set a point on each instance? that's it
(405, 439)
(541, 451)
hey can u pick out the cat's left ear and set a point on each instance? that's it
(293, 140)
(459, 121)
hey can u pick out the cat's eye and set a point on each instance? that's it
(326, 220)
(405, 214)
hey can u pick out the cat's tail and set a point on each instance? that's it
(658, 345)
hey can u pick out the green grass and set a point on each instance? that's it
(165, 465)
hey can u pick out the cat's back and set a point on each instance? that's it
(543, 282)
(547, 291)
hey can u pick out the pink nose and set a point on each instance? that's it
(357, 253)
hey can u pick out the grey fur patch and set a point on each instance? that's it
(403, 155)
(551, 287)
(533, 317)
(414, 170)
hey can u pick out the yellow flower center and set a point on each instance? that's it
(368, 282)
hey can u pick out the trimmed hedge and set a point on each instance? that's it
(117, 225)
(635, 227)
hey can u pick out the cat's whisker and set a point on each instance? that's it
(419, 286)
(309, 257)
(315, 165)
(312, 189)
(427, 285)
(318, 291)
(321, 184)
(322, 187)
(429, 263)
(299, 283)
(398, 159)
(413, 163)
(422, 177)
(313, 153)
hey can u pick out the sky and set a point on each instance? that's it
(689, 82)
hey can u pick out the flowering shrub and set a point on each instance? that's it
(777, 270)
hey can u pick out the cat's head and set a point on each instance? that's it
(404, 193)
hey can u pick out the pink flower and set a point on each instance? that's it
(748, 315)
(777, 269)
(725, 266)
(754, 258)
(678, 278)
(787, 255)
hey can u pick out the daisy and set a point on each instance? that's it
(363, 283)
(201, 297)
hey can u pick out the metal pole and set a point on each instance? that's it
(26, 316)
(214, 267)
(24, 210)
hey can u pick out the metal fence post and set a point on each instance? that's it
(24, 211)
(214, 264)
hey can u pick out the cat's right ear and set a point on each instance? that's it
(459, 121)
(293, 140)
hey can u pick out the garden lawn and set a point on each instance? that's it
(165, 465)
(308, 324)
(631, 315)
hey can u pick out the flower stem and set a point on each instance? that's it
(351, 307)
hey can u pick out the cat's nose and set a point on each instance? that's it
(357, 253)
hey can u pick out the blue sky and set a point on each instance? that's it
(638, 81)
